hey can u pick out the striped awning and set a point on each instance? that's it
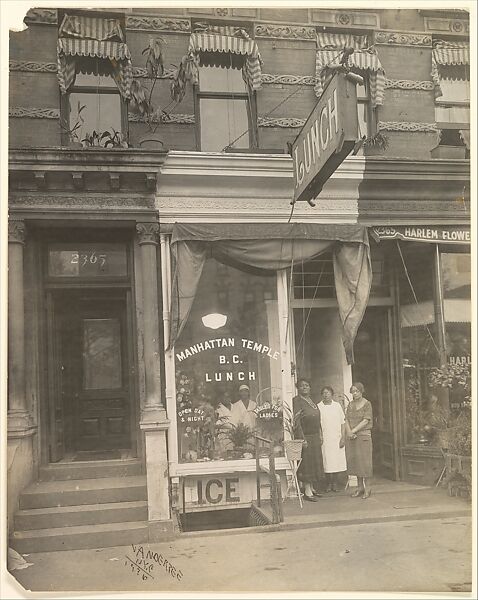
(226, 41)
(94, 48)
(93, 28)
(364, 59)
(445, 56)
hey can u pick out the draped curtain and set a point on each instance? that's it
(233, 40)
(93, 38)
(364, 60)
(265, 249)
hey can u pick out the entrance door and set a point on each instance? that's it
(95, 372)
(373, 368)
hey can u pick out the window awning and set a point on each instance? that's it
(445, 56)
(235, 41)
(91, 37)
(364, 59)
(423, 313)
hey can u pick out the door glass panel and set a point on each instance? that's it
(101, 354)
(87, 260)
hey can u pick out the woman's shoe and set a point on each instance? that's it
(357, 493)
(317, 494)
(366, 494)
(310, 498)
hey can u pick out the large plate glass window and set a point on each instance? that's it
(228, 375)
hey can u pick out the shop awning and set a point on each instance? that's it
(439, 234)
(91, 37)
(232, 40)
(268, 248)
(364, 59)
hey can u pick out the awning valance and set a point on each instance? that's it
(445, 55)
(235, 41)
(268, 248)
(116, 53)
(86, 27)
(364, 59)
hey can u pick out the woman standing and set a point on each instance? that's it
(308, 427)
(333, 429)
(358, 447)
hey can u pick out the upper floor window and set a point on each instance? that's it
(228, 71)
(95, 75)
(363, 61)
(451, 75)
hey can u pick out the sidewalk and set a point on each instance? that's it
(360, 545)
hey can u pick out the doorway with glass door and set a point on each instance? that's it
(91, 411)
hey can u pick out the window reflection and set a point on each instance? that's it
(101, 354)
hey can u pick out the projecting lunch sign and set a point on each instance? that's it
(328, 136)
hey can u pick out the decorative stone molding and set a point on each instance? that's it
(140, 72)
(453, 26)
(148, 233)
(402, 39)
(31, 66)
(345, 18)
(42, 15)
(32, 112)
(288, 32)
(94, 201)
(286, 122)
(409, 84)
(406, 126)
(164, 24)
(16, 232)
(171, 118)
(288, 79)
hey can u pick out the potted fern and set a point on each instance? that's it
(292, 446)
(240, 436)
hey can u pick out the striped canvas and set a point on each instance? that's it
(91, 28)
(447, 54)
(214, 42)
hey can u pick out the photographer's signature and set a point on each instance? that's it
(143, 562)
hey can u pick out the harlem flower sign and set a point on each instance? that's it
(328, 136)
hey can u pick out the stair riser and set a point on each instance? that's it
(94, 471)
(76, 497)
(93, 517)
(81, 541)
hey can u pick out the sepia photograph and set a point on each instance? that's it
(237, 299)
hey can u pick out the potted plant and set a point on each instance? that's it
(105, 139)
(375, 144)
(292, 446)
(73, 132)
(142, 95)
(240, 436)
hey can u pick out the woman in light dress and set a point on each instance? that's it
(333, 430)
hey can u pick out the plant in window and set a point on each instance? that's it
(142, 95)
(240, 436)
(72, 132)
(106, 139)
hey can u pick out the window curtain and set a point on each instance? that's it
(450, 60)
(266, 249)
(234, 40)
(364, 60)
(91, 37)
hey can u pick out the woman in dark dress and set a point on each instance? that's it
(308, 428)
(358, 445)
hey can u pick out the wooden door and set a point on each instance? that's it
(373, 368)
(96, 378)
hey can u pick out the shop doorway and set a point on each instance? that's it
(372, 367)
(90, 390)
(320, 357)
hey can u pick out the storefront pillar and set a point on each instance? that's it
(154, 422)
(19, 418)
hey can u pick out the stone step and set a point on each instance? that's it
(46, 494)
(85, 514)
(80, 537)
(90, 469)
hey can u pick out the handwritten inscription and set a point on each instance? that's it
(143, 562)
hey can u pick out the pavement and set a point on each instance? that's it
(403, 538)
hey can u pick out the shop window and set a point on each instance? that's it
(224, 106)
(228, 375)
(94, 75)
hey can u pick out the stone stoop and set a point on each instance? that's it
(62, 513)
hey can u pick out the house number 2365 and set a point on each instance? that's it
(84, 259)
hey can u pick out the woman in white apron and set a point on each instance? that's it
(333, 429)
